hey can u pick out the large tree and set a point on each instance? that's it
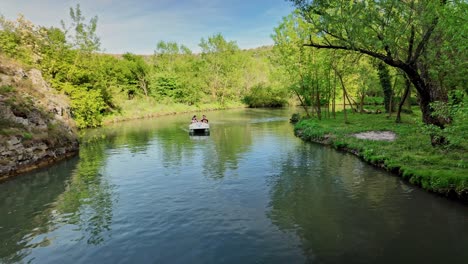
(404, 34)
(222, 62)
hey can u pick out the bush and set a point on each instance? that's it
(87, 107)
(27, 136)
(295, 118)
(376, 100)
(265, 96)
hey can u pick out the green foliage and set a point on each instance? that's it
(263, 96)
(27, 136)
(411, 154)
(84, 36)
(295, 118)
(385, 82)
(424, 39)
(6, 89)
(87, 107)
(222, 62)
(375, 100)
(456, 110)
(220, 77)
(137, 72)
(9, 43)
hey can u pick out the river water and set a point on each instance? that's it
(146, 192)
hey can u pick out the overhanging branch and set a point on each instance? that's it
(388, 60)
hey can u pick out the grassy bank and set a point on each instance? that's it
(442, 170)
(149, 107)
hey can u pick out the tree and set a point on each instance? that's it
(402, 34)
(175, 73)
(386, 83)
(222, 63)
(84, 36)
(308, 70)
(139, 71)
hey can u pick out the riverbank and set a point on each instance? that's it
(410, 155)
(140, 108)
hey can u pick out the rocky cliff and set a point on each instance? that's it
(36, 128)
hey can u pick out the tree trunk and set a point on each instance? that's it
(385, 82)
(344, 97)
(361, 104)
(403, 98)
(428, 93)
(334, 98)
(302, 103)
(319, 111)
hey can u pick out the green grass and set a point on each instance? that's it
(440, 169)
(4, 89)
(148, 107)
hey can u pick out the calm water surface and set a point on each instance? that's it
(147, 192)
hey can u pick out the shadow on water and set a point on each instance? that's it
(345, 211)
(27, 205)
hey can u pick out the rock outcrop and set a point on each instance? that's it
(36, 128)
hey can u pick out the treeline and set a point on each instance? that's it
(101, 84)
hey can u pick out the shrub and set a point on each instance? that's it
(87, 107)
(27, 136)
(265, 96)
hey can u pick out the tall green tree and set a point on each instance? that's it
(139, 71)
(308, 70)
(176, 73)
(83, 35)
(222, 62)
(386, 83)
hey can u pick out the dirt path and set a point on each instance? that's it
(376, 135)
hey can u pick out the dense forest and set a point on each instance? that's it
(328, 55)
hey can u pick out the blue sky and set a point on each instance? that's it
(137, 25)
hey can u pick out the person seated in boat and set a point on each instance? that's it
(194, 119)
(204, 120)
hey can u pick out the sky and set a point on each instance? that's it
(138, 25)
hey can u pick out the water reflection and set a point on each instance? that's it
(26, 207)
(87, 203)
(35, 206)
(199, 137)
(347, 212)
(146, 191)
(220, 151)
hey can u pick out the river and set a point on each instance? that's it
(145, 191)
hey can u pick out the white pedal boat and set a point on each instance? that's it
(197, 127)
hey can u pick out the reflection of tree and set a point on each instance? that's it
(135, 138)
(229, 144)
(317, 194)
(48, 199)
(27, 203)
(88, 200)
(175, 144)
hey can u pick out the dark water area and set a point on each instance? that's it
(146, 191)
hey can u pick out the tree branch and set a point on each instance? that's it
(424, 40)
(388, 60)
